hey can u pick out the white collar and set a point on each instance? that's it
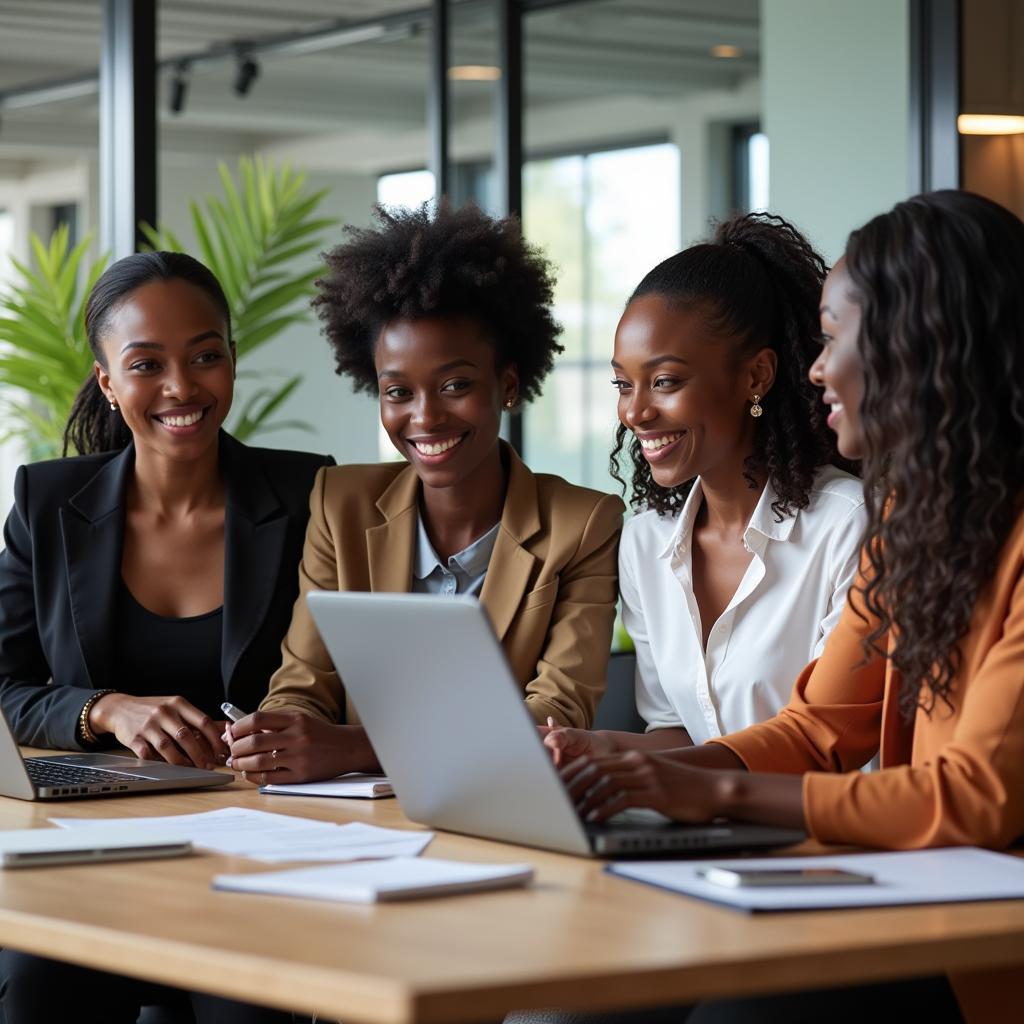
(763, 520)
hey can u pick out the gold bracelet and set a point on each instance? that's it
(85, 734)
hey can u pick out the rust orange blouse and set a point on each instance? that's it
(954, 777)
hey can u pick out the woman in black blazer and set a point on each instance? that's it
(150, 579)
(61, 584)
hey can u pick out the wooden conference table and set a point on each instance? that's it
(578, 938)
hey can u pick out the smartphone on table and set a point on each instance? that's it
(742, 878)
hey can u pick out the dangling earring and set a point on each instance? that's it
(755, 409)
(113, 405)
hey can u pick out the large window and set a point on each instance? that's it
(338, 89)
(604, 219)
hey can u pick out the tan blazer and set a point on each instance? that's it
(953, 778)
(550, 588)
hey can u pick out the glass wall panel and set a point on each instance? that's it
(643, 120)
(48, 158)
(672, 114)
(474, 81)
(602, 235)
(347, 110)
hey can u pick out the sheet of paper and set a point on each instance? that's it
(273, 838)
(353, 785)
(953, 875)
(369, 882)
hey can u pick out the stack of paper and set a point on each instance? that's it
(272, 837)
(372, 882)
(954, 875)
(353, 785)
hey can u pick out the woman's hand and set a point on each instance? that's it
(160, 729)
(603, 785)
(290, 746)
(716, 786)
(566, 744)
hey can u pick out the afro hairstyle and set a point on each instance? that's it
(415, 263)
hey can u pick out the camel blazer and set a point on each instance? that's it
(550, 588)
(953, 778)
(61, 563)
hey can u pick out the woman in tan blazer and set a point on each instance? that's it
(447, 319)
(923, 370)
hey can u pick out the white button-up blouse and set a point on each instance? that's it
(787, 603)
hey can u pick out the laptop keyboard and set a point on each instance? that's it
(48, 773)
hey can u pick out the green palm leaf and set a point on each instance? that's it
(260, 240)
(44, 353)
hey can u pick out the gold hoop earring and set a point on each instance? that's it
(755, 409)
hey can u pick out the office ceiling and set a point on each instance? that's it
(583, 50)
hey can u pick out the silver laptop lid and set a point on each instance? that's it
(14, 780)
(423, 672)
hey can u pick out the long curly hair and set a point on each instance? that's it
(455, 262)
(939, 283)
(758, 281)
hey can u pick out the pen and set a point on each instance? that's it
(229, 709)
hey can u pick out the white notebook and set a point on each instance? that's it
(353, 785)
(376, 881)
(951, 875)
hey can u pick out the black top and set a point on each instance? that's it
(159, 656)
(61, 569)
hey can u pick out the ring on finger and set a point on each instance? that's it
(263, 778)
(183, 731)
(273, 754)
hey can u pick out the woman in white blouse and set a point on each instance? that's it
(737, 568)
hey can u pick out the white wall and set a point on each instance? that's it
(836, 87)
(699, 126)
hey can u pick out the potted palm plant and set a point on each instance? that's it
(259, 239)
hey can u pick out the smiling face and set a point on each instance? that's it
(170, 368)
(839, 368)
(442, 395)
(682, 392)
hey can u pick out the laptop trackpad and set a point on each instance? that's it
(639, 816)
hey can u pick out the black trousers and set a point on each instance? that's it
(34, 990)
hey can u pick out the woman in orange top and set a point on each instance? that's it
(923, 368)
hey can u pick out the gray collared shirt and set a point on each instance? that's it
(464, 572)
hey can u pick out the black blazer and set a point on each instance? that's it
(62, 562)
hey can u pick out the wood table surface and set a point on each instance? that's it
(578, 938)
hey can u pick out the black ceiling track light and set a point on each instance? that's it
(179, 87)
(247, 73)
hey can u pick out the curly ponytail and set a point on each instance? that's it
(93, 426)
(759, 281)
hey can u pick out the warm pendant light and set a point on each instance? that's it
(990, 124)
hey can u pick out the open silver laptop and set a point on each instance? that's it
(64, 776)
(433, 689)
